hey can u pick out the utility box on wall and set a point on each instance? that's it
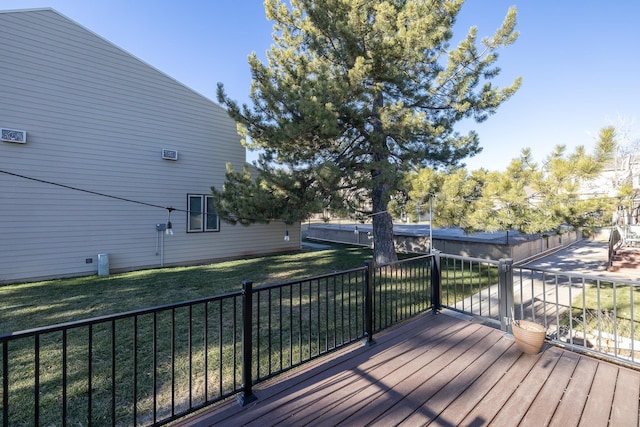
(103, 264)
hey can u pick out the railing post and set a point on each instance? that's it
(505, 293)
(368, 302)
(247, 395)
(436, 282)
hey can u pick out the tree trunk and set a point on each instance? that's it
(383, 245)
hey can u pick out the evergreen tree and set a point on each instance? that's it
(527, 197)
(354, 94)
(556, 186)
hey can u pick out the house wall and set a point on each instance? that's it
(97, 119)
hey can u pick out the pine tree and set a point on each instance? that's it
(354, 94)
(528, 197)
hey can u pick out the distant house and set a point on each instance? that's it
(96, 145)
(619, 171)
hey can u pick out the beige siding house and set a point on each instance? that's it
(85, 129)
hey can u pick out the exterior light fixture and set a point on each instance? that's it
(169, 230)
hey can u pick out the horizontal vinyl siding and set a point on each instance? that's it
(233, 241)
(97, 119)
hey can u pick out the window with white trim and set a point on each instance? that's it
(201, 214)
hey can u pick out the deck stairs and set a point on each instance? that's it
(626, 258)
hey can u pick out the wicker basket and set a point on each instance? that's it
(529, 336)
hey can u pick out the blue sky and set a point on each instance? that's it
(578, 59)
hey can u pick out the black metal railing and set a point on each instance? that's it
(585, 312)
(136, 368)
(402, 290)
(472, 285)
(298, 321)
(592, 314)
(151, 366)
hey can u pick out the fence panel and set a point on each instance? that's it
(587, 313)
(401, 290)
(298, 321)
(137, 368)
(470, 285)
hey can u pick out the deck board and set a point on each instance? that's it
(370, 371)
(625, 399)
(513, 409)
(543, 407)
(471, 367)
(570, 408)
(393, 385)
(408, 394)
(458, 409)
(500, 392)
(597, 409)
(441, 371)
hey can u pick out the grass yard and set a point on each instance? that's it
(152, 351)
(613, 311)
(30, 305)
(121, 371)
(37, 304)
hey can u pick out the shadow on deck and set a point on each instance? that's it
(445, 371)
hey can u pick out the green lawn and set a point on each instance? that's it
(30, 305)
(149, 342)
(608, 310)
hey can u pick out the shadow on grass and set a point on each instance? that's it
(30, 305)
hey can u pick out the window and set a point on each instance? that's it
(201, 215)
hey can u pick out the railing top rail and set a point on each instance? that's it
(466, 258)
(308, 279)
(579, 275)
(111, 317)
(401, 261)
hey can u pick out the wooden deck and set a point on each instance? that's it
(444, 371)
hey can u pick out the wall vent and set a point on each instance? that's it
(169, 154)
(13, 135)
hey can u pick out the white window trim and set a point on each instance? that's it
(203, 202)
